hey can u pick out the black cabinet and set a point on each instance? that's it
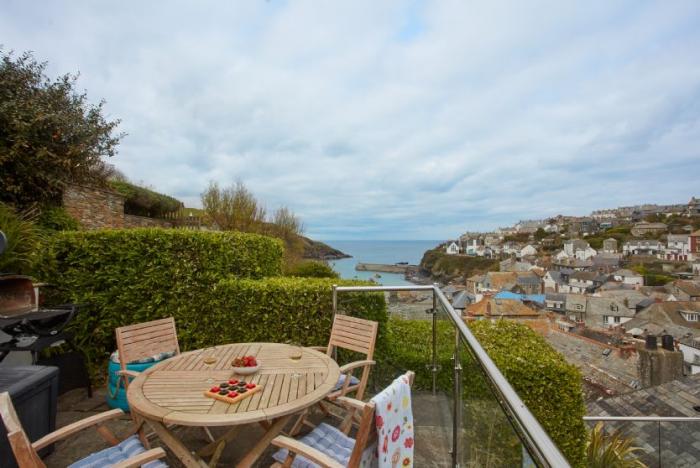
(34, 392)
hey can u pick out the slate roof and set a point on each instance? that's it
(501, 308)
(679, 441)
(633, 297)
(462, 299)
(666, 317)
(689, 287)
(625, 272)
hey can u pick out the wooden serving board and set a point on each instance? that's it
(241, 396)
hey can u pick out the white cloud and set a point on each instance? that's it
(391, 120)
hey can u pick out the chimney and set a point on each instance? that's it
(658, 365)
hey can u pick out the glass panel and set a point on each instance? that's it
(643, 435)
(487, 438)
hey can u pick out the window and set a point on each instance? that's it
(605, 318)
(579, 306)
(616, 319)
(691, 317)
(613, 307)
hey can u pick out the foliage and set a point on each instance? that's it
(134, 275)
(141, 201)
(287, 226)
(518, 237)
(540, 234)
(611, 451)
(56, 218)
(50, 135)
(549, 386)
(23, 239)
(283, 309)
(445, 267)
(312, 269)
(233, 208)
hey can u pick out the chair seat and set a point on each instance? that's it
(341, 381)
(326, 439)
(110, 456)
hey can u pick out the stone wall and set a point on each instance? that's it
(133, 221)
(94, 208)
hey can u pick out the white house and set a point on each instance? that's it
(691, 355)
(528, 250)
(628, 277)
(578, 249)
(677, 248)
(452, 249)
(642, 247)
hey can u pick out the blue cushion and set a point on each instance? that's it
(110, 456)
(326, 439)
(353, 381)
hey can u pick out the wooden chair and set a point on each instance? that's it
(26, 451)
(365, 437)
(357, 335)
(143, 340)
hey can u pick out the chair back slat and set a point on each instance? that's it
(355, 334)
(143, 340)
(25, 455)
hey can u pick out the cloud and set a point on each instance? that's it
(391, 120)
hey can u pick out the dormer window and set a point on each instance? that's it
(690, 316)
(613, 307)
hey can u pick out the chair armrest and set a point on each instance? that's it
(351, 403)
(311, 453)
(128, 373)
(354, 365)
(77, 426)
(322, 349)
(141, 458)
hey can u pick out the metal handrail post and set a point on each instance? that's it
(659, 440)
(335, 311)
(434, 369)
(457, 400)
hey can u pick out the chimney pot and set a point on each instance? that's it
(667, 343)
(650, 342)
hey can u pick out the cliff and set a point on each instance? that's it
(317, 250)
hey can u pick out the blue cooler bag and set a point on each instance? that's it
(116, 393)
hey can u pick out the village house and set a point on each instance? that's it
(528, 251)
(694, 241)
(555, 280)
(492, 308)
(641, 229)
(642, 247)
(683, 290)
(693, 207)
(511, 264)
(679, 319)
(628, 277)
(634, 300)
(597, 312)
(583, 226)
(452, 248)
(555, 302)
(576, 249)
(690, 348)
(610, 245)
(605, 262)
(677, 248)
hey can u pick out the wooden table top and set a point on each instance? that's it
(173, 391)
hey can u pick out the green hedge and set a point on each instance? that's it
(547, 384)
(134, 275)
(145, 202)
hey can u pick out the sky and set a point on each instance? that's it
(390, 119)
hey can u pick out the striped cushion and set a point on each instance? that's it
(326, 439)
(110, 456)
(353, 381)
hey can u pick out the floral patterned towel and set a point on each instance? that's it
(394, 420)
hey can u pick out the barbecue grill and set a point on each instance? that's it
(31, 327)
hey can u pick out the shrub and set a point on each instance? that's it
(23, 239)
(312, 269)
(141, 201)
(549, 386)
(56, 218)
(135, 275)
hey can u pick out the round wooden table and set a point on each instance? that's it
(172, 392)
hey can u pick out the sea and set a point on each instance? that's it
(378, 251)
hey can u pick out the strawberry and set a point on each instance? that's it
(215, 389)
(250, 385)
(233, 382)
(232, 394)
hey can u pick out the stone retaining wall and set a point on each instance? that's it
(94, 208)
(133, 221)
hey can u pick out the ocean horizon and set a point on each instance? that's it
(378, 251)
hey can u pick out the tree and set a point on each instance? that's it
(540, 234)
(50, 135)
(234, 208)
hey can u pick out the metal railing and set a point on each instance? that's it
(647, 419)
(538, 443)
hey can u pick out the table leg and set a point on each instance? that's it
(263, 443)
(187, 458)
(210, 448)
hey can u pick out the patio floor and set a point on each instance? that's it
(431, 415)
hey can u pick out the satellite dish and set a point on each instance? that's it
(3, 242)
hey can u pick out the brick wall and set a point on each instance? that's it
(133, 221)
(94, 208)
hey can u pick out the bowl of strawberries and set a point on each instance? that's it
(245, 365)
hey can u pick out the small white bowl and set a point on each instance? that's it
(246, 370)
